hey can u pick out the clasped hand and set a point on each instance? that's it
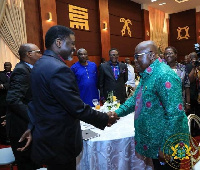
(112, 118)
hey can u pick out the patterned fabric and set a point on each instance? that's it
(138, 105)
(183, 74)
(115, 69)
(162, 114)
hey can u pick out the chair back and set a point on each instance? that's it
(6, 156)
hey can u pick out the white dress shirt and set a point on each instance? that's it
(131, 76)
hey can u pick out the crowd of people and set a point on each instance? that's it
(44, 100)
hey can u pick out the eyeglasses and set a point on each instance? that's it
(37, 51)
(114, 55)
(169, 53)
(136, 56)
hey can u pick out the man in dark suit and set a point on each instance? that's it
(4, 84)
(56, 107)
(18, 97)
(112, 77)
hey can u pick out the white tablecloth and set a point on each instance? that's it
(114, 149)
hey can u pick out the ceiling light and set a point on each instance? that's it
(179, 1)
(162, 3)
(153, 0)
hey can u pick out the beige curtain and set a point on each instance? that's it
(158, 28)
(12, 26)
(2, 9)
(6, 55)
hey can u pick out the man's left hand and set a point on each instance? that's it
(27, 135)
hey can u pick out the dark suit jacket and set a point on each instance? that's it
(108, 83)
(18, 97)
(5, 81)
(55, 111)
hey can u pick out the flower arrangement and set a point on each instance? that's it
(111, 103)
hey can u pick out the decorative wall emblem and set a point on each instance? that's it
(126, 22)
(186, 29)
(78, 17)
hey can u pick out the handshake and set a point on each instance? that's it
(112, 118)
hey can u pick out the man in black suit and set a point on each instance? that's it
(112, 77)
(56, 107)
(18, 97)
(4, 84)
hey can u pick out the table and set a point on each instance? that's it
(114, 149)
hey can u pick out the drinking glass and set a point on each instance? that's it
(95, 102)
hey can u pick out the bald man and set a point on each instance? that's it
(18, 97)
(158, 106)
(86, 76)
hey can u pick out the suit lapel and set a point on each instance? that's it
(110, 69)
(120, 68)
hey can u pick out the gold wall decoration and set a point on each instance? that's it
(126, 22)
(179, 30)
(78, 17)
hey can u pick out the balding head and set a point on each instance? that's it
(147, 46)
(29, 53)
(82, 56)
(145, 54)
(193, 56)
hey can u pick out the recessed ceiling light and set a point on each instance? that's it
(153, 0)
(180, 1)
(162, 3)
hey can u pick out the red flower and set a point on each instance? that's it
(168, 85)
(149, 69)
(145, 147)
(160, 59)
(148, 104)
(180, 107)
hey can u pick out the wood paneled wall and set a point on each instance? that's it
(33, 23)
(105, 34)
(198, 27)
(128, 10)
(47, 6)
(183, 19)
(146, 26)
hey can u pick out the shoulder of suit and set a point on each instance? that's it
(105, 64)
(123, 64)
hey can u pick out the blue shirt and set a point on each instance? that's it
(86, 77)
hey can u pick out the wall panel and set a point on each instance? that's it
(183, 19)
(88, 39)
(128, 10)
(33, 22)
